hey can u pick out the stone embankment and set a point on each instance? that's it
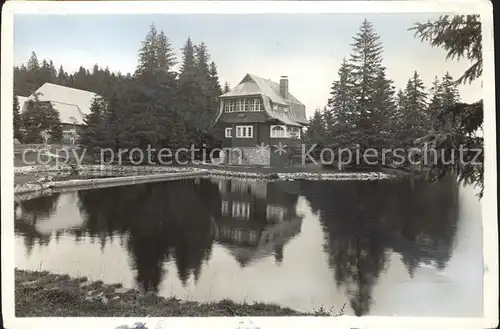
(49, 179)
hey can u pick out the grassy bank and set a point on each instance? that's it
(45, 294)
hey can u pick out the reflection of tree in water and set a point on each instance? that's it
(163, 221)
(363, 220)
(32, 212)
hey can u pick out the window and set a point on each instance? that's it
(278, 131)
(242, 105)
(225, 208)
(241, 210)
(244, 132)
(294, 132)
(274, 212)
(229, 132)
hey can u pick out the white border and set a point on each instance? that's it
(489, 201)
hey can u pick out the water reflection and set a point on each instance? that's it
(181, 231)
(256, 219)
(365, 221)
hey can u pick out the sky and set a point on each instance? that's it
(308, 48)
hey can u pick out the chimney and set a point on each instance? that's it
(284, 87)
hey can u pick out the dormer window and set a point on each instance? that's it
(242, 105)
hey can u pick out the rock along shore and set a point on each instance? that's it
(49, 179)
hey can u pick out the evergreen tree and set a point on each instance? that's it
(52, 72)
(62, 76)
(226, 88)
(339, 117)
(315, 133)
(436, 101)
(414, 121)
(190, 96)
(113, 124)
(92, 135)
(460, 36)
(449, 97)
(365, 63)
(384, 111)
(17, 120)
(41, 117)
(33, 64)
(215, 89)
(165, 53)
(148, 59)
(32, 80)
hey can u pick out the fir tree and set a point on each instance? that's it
(148, 59)
(384, 111)
(33, 64)
(449, 98)
(92, 135)
(17, 120)
(436, 101)
(62, 76)
(340, 116)
(460, 36)
(165, 53)
(365, 63)
(226, 88)
(415, 121)
(215, 89)
(41, 117)
(315, 133)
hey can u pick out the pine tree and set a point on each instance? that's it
(62, 76)
(315, 133)
(226, 88)
(460, 36)
(165, 53)
(340, 116)
(384, 111)
(92, 135)
(148, 59)
(214, 87)
(41, 117)
(32, 80)
(415, 120)
(449, 98)
(365, 63)
(436, 101)
(191, 98)
(52, 72)
(113, 123)
(33, 64)
(17, 120)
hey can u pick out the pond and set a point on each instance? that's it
(388, 247)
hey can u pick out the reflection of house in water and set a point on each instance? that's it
(257, 219)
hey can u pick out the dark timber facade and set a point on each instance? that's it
(260, 112)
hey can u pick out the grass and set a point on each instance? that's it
(45, 294)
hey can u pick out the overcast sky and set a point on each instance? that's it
(308, 48)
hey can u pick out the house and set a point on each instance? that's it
(256, 219)
(260, 112)
(72, 105)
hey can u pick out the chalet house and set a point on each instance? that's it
(256, 219)
(256, 112)
(72, 105)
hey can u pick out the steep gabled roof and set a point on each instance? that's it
(270, 91)
(72, 104)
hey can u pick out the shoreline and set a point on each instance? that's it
(62, 178)
(47, 294)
